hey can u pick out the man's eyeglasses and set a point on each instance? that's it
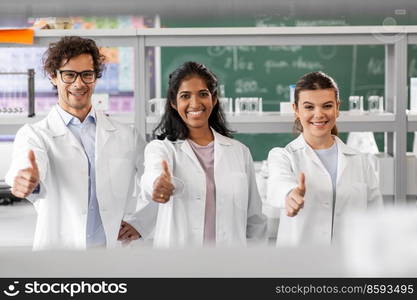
(68, 76)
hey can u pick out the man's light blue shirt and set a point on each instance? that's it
(85, 133)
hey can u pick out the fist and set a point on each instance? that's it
(163, 187)
(27, 179)
(295, 199)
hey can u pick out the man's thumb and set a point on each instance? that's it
(32, 160)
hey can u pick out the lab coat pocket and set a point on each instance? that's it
(240, 190)
(120, 176)
(356, 196)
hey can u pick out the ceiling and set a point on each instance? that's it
(207, 8)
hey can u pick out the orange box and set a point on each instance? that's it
(16, 36)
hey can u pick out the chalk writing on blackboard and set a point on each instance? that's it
(248, 85)
(285, 48)
(270, 65)
(301, 63)
(329, 22)
(216, 51)
(268, 21)
(232, 58)
(237, 63)
(327, 52)
(376, 66)
(282, 91)
(376, 89)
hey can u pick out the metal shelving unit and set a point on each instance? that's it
(275, 122)
(394, 38)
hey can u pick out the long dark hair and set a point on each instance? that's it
(171, 125)
(314, 81)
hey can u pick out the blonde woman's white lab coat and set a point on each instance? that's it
(180, 221)
(63, 168)
(357, 189)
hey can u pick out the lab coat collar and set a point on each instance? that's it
(104, 121)
(55, 123)
(342, 151)
(343, 148)
(218, 140)
(186, 147)
(104, 130)
(300, 143)
(58, 128)
(68, 118)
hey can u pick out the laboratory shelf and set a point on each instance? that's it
(395, 39)
(274, 122)
(411, 121)
(10, 124)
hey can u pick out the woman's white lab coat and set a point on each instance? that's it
(63, 167)
(180, 221)
(356, 190)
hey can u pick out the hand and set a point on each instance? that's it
(27, 179)
(163, 187)
(295, 199)
(127, 233)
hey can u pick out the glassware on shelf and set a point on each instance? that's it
(285, 107)
(373, 104)
(356, 104)
(222, 91)
(156, 106)
(381, 104)
(248, 105)
(292, 93)
(226, 105)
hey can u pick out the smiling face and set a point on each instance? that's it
(75, 97)
(194, 103)
(317, 111)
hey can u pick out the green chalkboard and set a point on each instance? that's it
(268, 71)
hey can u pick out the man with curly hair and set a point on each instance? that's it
(78, 166)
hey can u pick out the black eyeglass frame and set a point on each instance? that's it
(76, 76)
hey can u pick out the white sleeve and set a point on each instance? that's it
(281, 178)
(256, 228)
(140, 214)
(155, 152)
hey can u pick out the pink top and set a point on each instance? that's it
(205, 155)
